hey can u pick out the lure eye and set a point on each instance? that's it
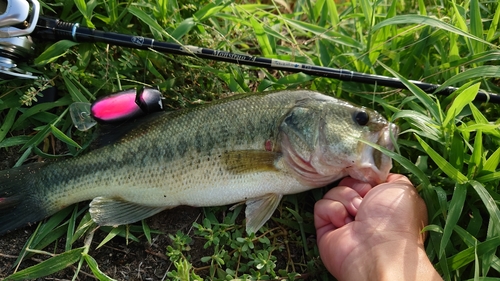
(361, 118)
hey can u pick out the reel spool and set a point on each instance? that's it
(18, 19)
(12, 51)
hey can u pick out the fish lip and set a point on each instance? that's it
(374, 166)
(385, 137)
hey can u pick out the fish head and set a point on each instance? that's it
(322, 141)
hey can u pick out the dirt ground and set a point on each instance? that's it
(135, 261)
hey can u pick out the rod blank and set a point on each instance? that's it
(48, 28)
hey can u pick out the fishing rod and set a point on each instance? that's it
(54, 29)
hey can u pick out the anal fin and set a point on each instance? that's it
(259, 210)
(116, 211)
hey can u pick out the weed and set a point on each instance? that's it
(448, 146)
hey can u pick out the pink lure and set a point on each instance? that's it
(126, 105)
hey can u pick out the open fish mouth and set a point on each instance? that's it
(374, 166)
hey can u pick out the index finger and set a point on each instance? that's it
(360, 187)
(398, 178)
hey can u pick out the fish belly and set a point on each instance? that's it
(205, 184)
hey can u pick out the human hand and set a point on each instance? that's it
(367, 233)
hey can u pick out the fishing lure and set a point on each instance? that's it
(115, 108)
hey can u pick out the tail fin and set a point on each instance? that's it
(19, 201)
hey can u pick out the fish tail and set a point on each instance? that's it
(19, 197)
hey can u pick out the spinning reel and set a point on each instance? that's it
(18, 20)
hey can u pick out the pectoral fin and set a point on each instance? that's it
(247, 161)
(116, 211)
(259, 210)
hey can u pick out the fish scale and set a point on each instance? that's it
(252, 148)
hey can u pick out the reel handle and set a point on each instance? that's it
(18, 19)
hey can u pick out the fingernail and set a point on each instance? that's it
(348, 220)
(356, 202)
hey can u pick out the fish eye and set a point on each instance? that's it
(361, 117)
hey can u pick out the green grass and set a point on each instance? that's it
(449, 146)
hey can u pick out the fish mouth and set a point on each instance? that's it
(374, 166)
(386, 137)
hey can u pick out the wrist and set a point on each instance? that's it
(398, 259)
(402, 260)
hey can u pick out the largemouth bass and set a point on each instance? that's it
(249, 148)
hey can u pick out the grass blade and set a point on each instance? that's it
(493, 26)
(95, 269)
(325, 33)
(75, 93)
(428, 127)
(114, 231)
(13, 141)
(332, 11)
(424, 98)
(184, 27)
(7, 123)
(476, 26)
(61, 136)
(430, 21)
(473, 73)
(52, 53)
(146, 230)
(208, 11)
(42, 107)
(489, 177)
(444, 165)
(488, 257)
(493, 161)
(262, 38)
(454, 211)
(459, 103)
(467, 256)
(489, 203)
(49, 266)
(86, 11)
(148, 20)
(476, 159)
